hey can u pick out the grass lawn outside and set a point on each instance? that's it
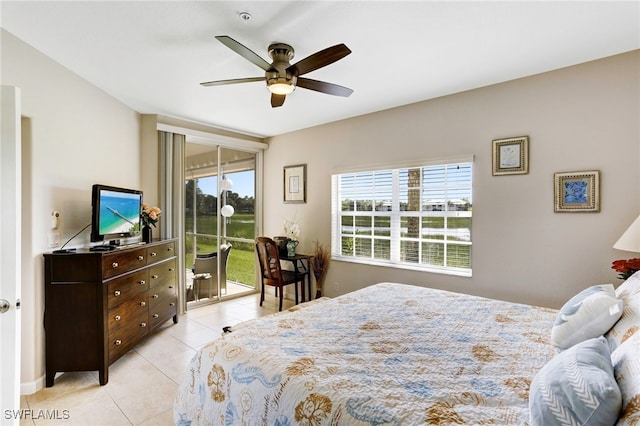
(241, 261)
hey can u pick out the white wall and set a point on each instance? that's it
(584, 117)
(74, 135)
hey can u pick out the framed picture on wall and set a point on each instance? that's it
(295, 184)
(511, 156)
(577, 191)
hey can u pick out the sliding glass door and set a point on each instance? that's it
(220, 223)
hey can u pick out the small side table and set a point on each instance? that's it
(301, 266)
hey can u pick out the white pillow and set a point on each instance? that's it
(629, 322)
(626, 366)
(589, 314)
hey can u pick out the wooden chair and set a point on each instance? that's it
(270, 271)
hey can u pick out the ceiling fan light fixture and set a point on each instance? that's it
(281, 76)
(280, 86)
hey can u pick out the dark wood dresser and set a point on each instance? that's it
(99, 305)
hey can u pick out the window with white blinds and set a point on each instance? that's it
(413, 217)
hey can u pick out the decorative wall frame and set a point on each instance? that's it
(577, 191)
(511, 156)
(295, 183)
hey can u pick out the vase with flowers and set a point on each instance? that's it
(626, 268)
(292, 232)
(149, 217)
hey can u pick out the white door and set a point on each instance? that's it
(10, 247)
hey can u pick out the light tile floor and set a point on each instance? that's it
(143, 383)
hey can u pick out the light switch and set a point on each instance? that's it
(54, 238)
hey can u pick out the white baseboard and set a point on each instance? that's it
(27, 388)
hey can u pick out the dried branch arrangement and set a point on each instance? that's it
(320, 265)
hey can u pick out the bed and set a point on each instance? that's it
(388, 354)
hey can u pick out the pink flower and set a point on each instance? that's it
(150, 215)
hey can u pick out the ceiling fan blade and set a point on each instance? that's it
(232, 81)
(244, 51)
(277, 100)
(324, 87)
(320, 59)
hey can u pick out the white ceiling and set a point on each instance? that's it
(152, 55)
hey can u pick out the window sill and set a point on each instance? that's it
(435, 270)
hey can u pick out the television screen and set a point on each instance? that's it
(116, 212)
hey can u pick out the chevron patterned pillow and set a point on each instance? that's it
(576, 387)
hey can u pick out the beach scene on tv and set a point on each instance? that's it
(119, 212)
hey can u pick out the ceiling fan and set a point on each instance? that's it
(281, 77)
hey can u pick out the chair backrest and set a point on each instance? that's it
(269, 260)
(224, 253)
(209, 262)
(205, 263)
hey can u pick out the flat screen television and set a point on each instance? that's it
(115, 212)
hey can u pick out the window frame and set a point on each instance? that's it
(396, 215)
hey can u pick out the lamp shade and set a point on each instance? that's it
(226, 184)
(630, 240)
(227, 211)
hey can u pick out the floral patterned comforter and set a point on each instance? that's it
(389, 354)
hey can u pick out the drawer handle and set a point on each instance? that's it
(155, 296)
(143, 324)
(153, 254)
(142, 282)
(171, 269)
(140, 257)
(117, 318)
(170, 286)
(117, 293)
(156, 316)
(143, 303)
(154, 277)
(114, 265)
(172, 304)
(118, 342)
(170, 249)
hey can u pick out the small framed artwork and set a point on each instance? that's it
(295, 184)
(511, 156)
(577, 191)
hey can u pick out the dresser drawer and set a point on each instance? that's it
(162, 273)
(125, 338)
(127, 286)
(162, 292)
(162, 311)
(125, 312)
(161, 252)
(123, 262)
